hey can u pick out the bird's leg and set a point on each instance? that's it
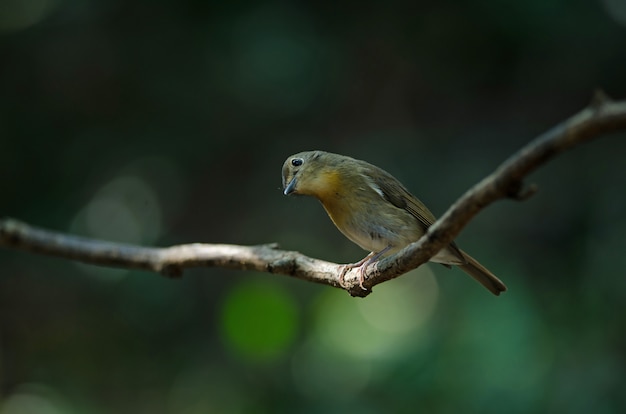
(362, 265)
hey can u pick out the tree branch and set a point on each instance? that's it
(169, 261)
(600, 117)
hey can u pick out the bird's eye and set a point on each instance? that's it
(296, 162)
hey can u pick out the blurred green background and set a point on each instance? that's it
(164, 122)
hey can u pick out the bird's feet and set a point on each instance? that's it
(362, 265)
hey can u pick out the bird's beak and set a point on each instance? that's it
(291, 187)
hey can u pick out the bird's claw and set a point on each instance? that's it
(344, 270)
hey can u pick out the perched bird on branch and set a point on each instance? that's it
(372, 209)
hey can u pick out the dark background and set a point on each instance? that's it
(164, 122)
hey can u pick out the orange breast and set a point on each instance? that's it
(329, 189)
(325, 185)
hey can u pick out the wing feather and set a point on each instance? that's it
(394, 192)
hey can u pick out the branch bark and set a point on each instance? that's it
(600, 117)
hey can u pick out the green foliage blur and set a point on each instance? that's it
(165, 122)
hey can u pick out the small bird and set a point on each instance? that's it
(372, 209)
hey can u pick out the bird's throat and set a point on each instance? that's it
(326, 186)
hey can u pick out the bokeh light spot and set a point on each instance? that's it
(126, 209)
(384, 324)
(33, 398)
(616, 9)
(259, 320)
(21, 14)
(165, 178)
(397, 309)
(111, 219)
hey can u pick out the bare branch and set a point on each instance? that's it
(169, 261)
(602, 116)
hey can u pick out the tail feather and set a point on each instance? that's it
(482, 275)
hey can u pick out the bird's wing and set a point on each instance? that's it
(399, 196)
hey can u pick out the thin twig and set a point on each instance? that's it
(600, 117)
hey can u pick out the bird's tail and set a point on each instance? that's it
(482, 275)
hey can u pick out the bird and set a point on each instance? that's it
(372, 209)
